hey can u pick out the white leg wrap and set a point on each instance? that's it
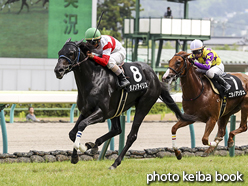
(174, 146)
(77, 141)
(213, 144)
(82, 148)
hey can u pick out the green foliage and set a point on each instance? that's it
(114, 13)
(39, 113)
(159, 108)
(22, 115)
(25, 34)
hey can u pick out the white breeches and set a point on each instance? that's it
(116, 58)
(218, 69)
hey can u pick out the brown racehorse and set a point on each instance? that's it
(200, 100)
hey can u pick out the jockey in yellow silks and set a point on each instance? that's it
(209, 61)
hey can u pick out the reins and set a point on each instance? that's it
(76, 61)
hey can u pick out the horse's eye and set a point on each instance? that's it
(178, 63)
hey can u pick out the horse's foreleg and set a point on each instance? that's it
(73, 132)
(96, 116)
(8, 2)
(115, 130)
(72, 136)
(174, 129)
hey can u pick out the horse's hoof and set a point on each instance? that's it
(209, 151)
(178, 154)
(94, 150)
(179, 157)
(112, 167)
(89, 145)
(74, 159)
(205, 155)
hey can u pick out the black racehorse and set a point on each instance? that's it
(24, 2)
(99, 95)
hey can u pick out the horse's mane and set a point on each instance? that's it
(86, 47)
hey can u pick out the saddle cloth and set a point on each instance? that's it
(236, 89)
(135, 76)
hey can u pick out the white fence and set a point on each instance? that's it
(169, 26)
(25, 74)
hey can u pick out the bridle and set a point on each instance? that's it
(184, 68)
(179, 74)
(76, 61)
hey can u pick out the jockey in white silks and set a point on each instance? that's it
(110, 53)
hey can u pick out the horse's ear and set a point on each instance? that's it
(78, 43)
(186, 54)
(68, 40)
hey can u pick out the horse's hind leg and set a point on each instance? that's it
(242, 126)
(115, 130)
(142, 110)
(205, 141)
(220, 134)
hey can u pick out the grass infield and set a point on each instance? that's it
(24, 35)
(130, 172)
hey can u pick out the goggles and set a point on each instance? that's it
(197, 51)
(92, 42)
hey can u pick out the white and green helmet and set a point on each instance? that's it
(92, 34)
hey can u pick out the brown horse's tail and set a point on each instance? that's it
(168, 100)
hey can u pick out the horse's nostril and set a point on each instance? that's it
(61, 70)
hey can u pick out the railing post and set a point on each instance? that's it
(104, 149)
(226, 137)
(122, 135)
(106, 144)
(232, 127)
(4, 133)
(72, 113)
(112, 142)
(12, 111)
(128, 115)
(192, 133)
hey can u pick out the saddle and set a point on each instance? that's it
(137, 79)
(135, 76)
(236, 89)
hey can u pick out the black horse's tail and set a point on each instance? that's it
(168, 100)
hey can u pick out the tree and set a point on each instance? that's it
(114, 13)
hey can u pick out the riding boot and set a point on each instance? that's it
(222, 81)
(122, 79)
